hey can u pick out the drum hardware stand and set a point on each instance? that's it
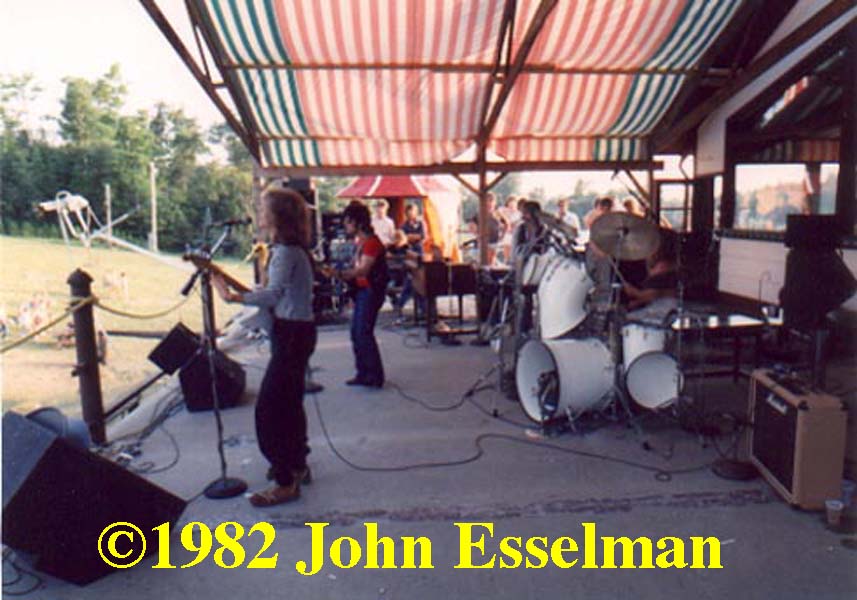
(224, 487)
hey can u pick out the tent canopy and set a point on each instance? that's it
(392, 186)
(348, 86)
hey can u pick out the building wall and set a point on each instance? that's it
(755, 269)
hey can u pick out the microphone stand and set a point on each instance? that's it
(223, 487)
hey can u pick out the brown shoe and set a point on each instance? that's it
(279, 494)
(304, 475)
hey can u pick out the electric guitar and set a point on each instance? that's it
(201, 261)
(251, 317)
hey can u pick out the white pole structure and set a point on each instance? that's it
(153, 192)
(108, 212)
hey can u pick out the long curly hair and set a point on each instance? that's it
(358, 212)
(289, 215)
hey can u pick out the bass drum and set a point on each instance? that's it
(562, 296)
(653, 380)
(554, 377)
(536, 266)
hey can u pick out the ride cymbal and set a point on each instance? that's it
(624, 236)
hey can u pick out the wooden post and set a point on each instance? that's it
(108, 214)
(812, 199)
(483, 213)
(86, 370)
(258, 267)
(846, 186)
(727, 197)
(153, 191)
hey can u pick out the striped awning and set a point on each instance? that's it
(338, 83)
(392, 186)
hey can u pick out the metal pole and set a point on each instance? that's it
(86, 369)
(153, 192)
(108, 212)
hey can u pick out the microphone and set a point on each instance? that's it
(233, 222)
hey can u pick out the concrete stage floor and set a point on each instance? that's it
(768, 550)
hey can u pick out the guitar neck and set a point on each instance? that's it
(238, 285)
(204, 263)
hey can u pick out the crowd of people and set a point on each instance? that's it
(503, 220)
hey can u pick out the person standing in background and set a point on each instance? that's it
(602, 206)
(383, 225)
(566, 216)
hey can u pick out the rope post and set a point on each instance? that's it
(86, 369)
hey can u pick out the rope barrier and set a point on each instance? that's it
(143, 316)
(78, 304)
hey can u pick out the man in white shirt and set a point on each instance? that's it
(566, 216)
(383, 225)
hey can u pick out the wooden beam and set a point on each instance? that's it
(816, 23)
(491, 184)
(506, 31)
(470, 187)
(538, 21)
(151, 7)
(198, 18)
(543, 68)
(640, 189)
(452, 168)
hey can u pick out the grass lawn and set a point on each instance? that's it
(38, 373)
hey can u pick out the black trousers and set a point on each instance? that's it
(281, 425)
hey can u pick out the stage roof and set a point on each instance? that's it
(350, 86)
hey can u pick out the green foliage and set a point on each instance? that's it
(100, 144)
(327, 187)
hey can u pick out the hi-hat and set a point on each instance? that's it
(625, 236)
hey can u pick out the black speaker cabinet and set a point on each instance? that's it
(797, 440)
(58, 497)
(196, 382)
(813, 232)
(176, 349)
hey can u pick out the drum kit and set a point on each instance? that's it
(584, 356)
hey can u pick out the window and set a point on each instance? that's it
(676, 200)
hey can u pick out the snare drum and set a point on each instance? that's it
(555, 377)
(562, 296)
(639, 338)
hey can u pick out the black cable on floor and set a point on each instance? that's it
(20, 572)
(660, 474)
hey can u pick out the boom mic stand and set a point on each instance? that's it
(224, 487)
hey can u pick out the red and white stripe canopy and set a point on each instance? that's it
(339, 83)
(392, 186)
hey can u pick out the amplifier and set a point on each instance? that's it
(797, 440)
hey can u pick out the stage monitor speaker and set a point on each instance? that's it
(797, 439)
(176, 349)
(58, 497)
(813, 232)
(196, 382)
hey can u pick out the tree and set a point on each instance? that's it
(236, 152)
(327, 187)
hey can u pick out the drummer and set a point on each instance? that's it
(662, 275)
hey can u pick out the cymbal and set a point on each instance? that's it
(625, 236)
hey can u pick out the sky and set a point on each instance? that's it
(54, 39)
